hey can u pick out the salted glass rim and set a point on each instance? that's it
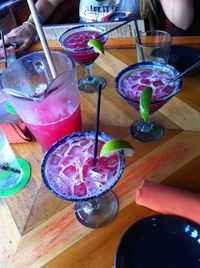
(66, 33)
(149, 63)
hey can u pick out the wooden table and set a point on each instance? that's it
(37, 229)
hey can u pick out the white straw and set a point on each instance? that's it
(42, 38)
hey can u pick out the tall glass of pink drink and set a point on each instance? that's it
(75, 42)
(69, 172)
(49, 107)
(131, 81)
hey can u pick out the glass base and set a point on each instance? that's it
(146, 132)
(91, 85)
(97, 212)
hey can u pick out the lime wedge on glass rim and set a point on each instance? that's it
(117, 145)
(97, 46)
(145, 102)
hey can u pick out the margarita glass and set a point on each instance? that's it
(75, 42)
(69, 172)
(133, 79)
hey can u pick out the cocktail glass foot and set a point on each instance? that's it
(146, 131)
(90, 83)
(97, 212)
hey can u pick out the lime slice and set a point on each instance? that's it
(145, 102)
(97, 46)
(117, 145)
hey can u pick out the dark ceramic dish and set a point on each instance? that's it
(159, 242)
(182, 57)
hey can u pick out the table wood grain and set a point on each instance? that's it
(39, 230)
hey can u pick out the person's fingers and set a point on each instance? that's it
(26, 44)
(23, 36)
(16, 35)
(16, 41)
(10, 40)
(5, 41)
(23, 47)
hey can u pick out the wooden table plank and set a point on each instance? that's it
(63, 230)
(192, 41)
(40, 230)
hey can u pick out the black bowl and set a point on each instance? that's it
(159, 241)
(182, 57)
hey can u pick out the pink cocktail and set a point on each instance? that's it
(75, 43)
(68, 170)
(78, 49)
(131, 81)
(48, 132)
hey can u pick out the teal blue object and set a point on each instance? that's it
(26, 169)
(10, 109)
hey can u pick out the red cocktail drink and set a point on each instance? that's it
(131, 81)
(48, 131)
(75, 42)
(77, 47)
(69, 172)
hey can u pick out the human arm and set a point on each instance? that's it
(24, 35)
(46, 7)
(179, 12)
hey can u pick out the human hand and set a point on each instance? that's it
(23, 35)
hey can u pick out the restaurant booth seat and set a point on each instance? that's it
(14, 12)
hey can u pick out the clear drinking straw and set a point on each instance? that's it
(42, 38)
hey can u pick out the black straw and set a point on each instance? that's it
(97, 124)
(138, 39)
(115, 28)
(8, 168)
(4, 49)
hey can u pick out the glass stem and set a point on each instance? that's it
(95, 203)
(88, 72)
(147, 126)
